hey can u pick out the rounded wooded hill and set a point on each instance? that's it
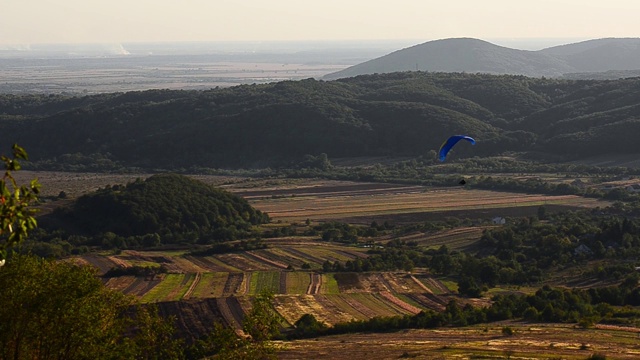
(169, 205)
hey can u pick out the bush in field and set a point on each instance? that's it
(308, 326)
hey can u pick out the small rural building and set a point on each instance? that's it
(499, 220)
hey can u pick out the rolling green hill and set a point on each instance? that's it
(165, 208)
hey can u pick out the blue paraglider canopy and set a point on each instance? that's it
(444, 149)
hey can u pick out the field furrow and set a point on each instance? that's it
(242, 262)
(231, 312)
(434, 285)
(102, 263)
(304, 255)
(276, 264)
(142, 286)
(400, 303)
(358, 306)
(121, 283)
(211, 264)
(377, 304)
(234, 284)
(285, 257)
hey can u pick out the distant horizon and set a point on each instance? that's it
(124, 48)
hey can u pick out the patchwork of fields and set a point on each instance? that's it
(199, 290)
(232, 279)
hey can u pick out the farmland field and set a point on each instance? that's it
(296, 200)
(530, 341)
(221, 286)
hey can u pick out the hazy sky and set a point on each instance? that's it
(118, 21)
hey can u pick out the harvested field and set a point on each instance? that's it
(427, 301)
(353, 205)
(243, 262)
(436, 286)
(211, 264)
(102, 263)
(231, 311)
(530, 341)
(400, 303)
(291, 308)
(352, 306)
(120, 283)
(284, 257)
(456, 239)
(256, 255)
(141, 286)
(378, 304)
(401, 283)
(194, 318)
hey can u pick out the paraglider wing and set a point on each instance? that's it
(444, 149)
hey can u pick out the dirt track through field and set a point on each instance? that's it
(195, 282)
(315, 284)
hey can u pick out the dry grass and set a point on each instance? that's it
(530, 341)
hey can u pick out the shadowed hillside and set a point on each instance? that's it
(473, 55)
(283, 124)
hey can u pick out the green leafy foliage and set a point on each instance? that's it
(16, 214)
(56, 310)
(293, 122)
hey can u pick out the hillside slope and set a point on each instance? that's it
(473, 56)
(281, 124)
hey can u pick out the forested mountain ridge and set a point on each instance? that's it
(398, 114)
(473, 55)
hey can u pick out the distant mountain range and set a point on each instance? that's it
(615, 57)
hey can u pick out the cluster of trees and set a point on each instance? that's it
(278, 124)
(519, 253)
(58, 310)
(547, 305)
(165, 209)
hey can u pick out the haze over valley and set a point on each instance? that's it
(333, 180)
